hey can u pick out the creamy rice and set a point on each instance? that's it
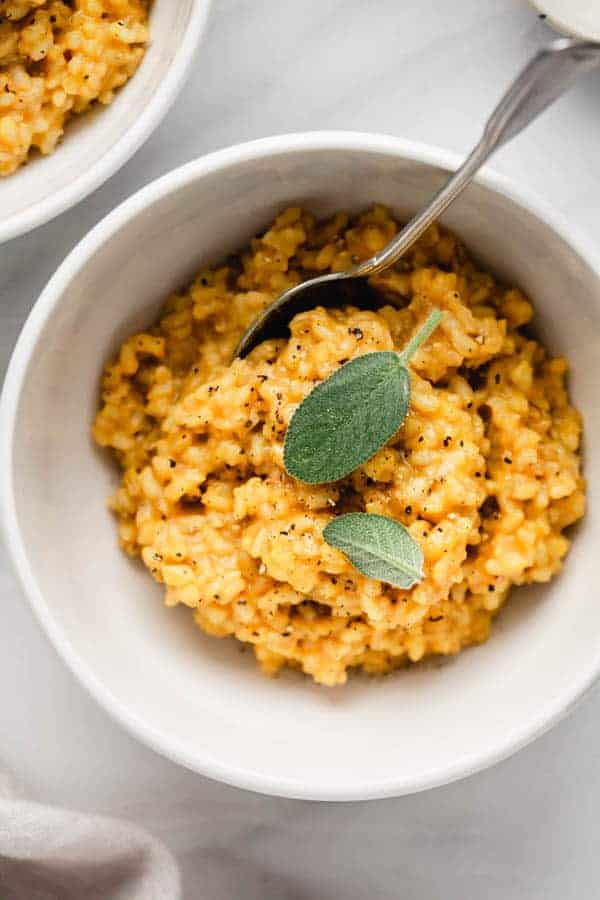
(485, 472)
(56, 59)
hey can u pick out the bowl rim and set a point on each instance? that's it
(89, 180)
(560, 21)
(200, 761)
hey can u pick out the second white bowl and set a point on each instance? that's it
(98, 143)
(197, 699)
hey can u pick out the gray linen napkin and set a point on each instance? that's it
(54, 854)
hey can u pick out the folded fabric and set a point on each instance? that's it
(54, 854)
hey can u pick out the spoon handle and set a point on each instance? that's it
(548, 75)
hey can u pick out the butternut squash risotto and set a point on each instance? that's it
(484, 473)
(57, 57)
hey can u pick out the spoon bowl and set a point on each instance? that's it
(333, 290)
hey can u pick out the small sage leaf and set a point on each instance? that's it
(377, 546)
(347, 418)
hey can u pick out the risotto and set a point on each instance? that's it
(57, 57)
(484, 473)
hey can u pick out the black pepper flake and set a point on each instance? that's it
(172, 463)
(489, 508)
(447, 440)
(476, 378)
(491, 588)
(435, 618)
(497, 378)
(508, 461)
(408, 510)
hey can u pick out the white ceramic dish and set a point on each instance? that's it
(196, 699)
(97, 144)
(579, 18)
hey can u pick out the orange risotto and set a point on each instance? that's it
(484, 473)
(58, 57)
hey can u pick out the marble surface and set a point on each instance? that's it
(527, 828)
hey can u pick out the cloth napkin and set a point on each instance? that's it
(54, 854)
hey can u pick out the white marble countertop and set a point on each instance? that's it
(426, 70)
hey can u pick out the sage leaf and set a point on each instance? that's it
(377, 546)
(347, 418)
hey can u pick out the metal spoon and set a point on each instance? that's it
(548, 75)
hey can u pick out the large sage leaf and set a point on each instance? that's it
(378, 547)
(347, 418)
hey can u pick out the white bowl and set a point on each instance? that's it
(196, 699)
(98, 143)
(579, 18)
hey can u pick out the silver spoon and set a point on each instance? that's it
(548, 75)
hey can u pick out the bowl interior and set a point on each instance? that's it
(201, 700)
(34, 192)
